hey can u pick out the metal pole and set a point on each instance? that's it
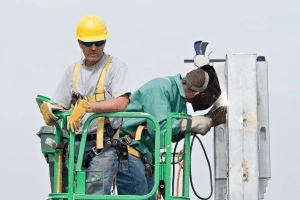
(242, 145)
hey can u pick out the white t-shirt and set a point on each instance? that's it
(116, 84)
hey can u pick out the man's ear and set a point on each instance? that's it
(195, 94)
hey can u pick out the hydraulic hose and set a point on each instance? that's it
(209, 166)
(173, 176)
(210, 172)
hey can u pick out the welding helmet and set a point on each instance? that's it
(209, 91)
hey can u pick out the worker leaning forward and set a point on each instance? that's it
(97, 84)
(159, 97)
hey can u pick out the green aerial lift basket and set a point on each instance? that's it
(77, 177)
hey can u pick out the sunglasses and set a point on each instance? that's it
(97, 43)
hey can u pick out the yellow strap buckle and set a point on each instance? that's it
(127, 139)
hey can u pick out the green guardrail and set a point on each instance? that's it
(162, 169)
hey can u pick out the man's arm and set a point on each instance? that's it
(118, 104)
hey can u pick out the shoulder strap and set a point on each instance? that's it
(75, 75)
(100, 86)
(100, 97)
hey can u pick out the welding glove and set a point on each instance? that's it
(78, 112)
(47, 110)
(218, 115)
(200, 124)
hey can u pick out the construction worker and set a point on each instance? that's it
(159, 97)
(98, 83)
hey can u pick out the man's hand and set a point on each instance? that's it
(77, 114)
(200, 124)
(218, 115)
(47, 110)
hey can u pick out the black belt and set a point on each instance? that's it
(108, 130)
(109, 142)
(90, 137)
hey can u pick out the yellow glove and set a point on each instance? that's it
(47, 112)
(77, 114)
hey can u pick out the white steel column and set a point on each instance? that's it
(242, 126)
(242, 145)
(221, 140)
(263, 127)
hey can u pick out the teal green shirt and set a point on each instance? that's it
(158, 97)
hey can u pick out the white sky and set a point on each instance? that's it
(37, 43)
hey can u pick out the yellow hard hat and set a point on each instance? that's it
(91, 28)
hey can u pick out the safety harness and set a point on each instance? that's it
(137, 135)
(99, 96)
(122, 147)
(103, 125)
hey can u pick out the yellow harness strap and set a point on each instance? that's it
(75, 75)
(100, 93)
(133, 152)
(138, 133)
(99, 96)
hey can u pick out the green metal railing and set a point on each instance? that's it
(186, 157)
(162, 170)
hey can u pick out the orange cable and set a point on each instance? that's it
(180, 163)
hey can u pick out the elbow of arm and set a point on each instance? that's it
(123, 109)
(123, 104)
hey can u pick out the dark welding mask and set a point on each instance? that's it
(208, 93)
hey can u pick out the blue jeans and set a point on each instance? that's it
(102, 169)
(134, 180)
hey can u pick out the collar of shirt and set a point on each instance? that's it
(178, 82)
